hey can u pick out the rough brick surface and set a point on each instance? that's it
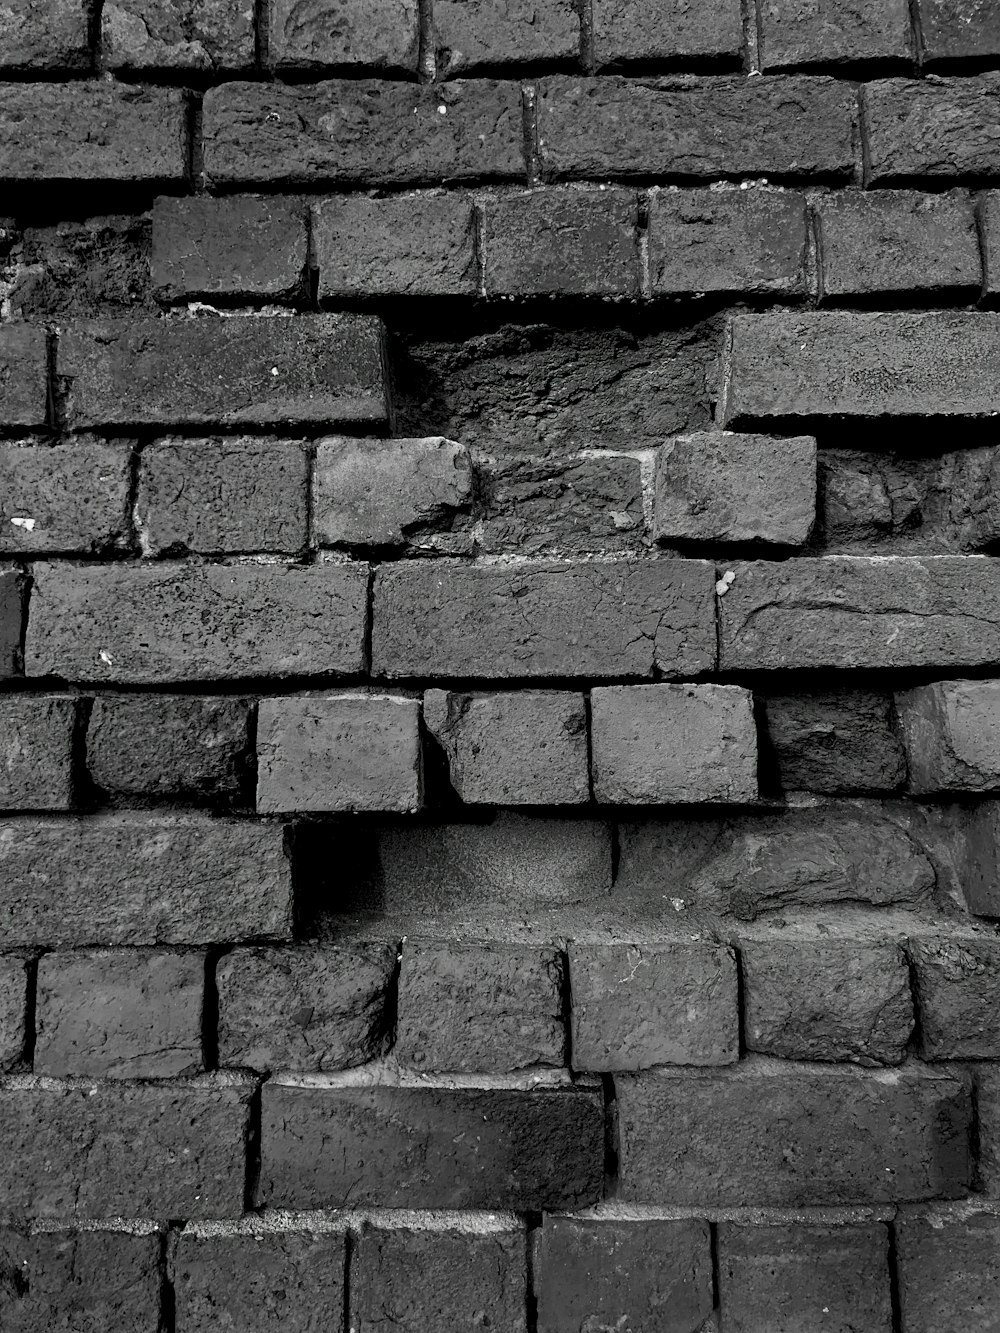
(13, 1011)
(380, 35)
(11, 622)
(987, 1084)
(842, 742)
(36, 751)
(812, 32)
(951, 730)
(980, 888)
(472, 35)
(23, 397)
(83, 266)
(71, 499)
(959, 29)
(957, 982)
(941, 129)
(641, 30)
(948, 1271)
(44, 35)
(151, 35)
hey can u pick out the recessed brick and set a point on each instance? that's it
(379, 35)
(835, 742)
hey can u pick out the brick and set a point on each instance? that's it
(190, 746)
(641, 30)
(244, 245)
(69, 499)
(222, 371)
(939, 129)
(673, 743)
(258, 1282)
(592, 1273)
(844, 611)
(371, 493)
(179, 622)
(479, 1007)
(381, 35)
(719, 240)
(124, 1149)
(779, 1135)
(12, 587)
(45, 34)
(223, 496)
(92, 131)
(119, 1015)
(84, 266)
(563, 241)
(987, 1084)
(980, 887)
(340, 752)
(639, 1005)
(951, 730)
(482, 34)
(594, 128)
(88, 1281)
(362, 131)
(304, 1009)
(834, 742)
(657, 614)
(142, 879)
(786, 1278)
(897, 241)
(717, 486)
(957, 982)
(959, 30)
(36, 751)
(13, 1011)
(949, 1276)
(150, 35)
(23, 374)
(427, 1147)
(812, 32)
(810, 996)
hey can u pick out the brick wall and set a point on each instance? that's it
(499, 627)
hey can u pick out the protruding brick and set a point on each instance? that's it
(379, 35)
(44, 34)
(36, 751)
(371, 493)
(643, 30)
(841, 742)
(561, 241)
(243, 245)
(949, 1273)
(951, 731)
(481, 34)
(13, 1012)
(958, 995)
(159, 623)
(813, 32)
(528, 747)
(639, 1005)
(959, 30)
(673, 743)
(479, 1007)
(304, 1010)
(936, 128)
(24, 356)
(341, 752)
(717, 486)
(152, 35)
(70, 499)
(119, 1015)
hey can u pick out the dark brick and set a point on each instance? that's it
(169, 745)
(987, 1082)
(481, 34)
(980, 885)
(91, 266)
(563, 241)
(65, 498)
(119, 1015)
(241, 370)
(36, 751)
(11, 618)
(842, 742)
(949, 1274)
(950, 731)
(304, 1009)
(150, 35)
(223, 496)
(245, 245)
(23, 375)
(933, 128)
(643, 30)
(959, 29)
(694, 127)
(789, 1278)
(142, 879)
(362, 131)
(13, 1016)
(806, 32)
(786, 1136)
(957, 981)
(426, 1147)
(178, 622)
(44, 34)
(124, 1149)
(92, 131)
(640, 617)
(380, 35)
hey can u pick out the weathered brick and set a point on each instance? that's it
(959, 29)
(339, 752)
(241, 370)
(142, 879)
(84, 266)
(223, 496)
(479, 1007)
(845, 611)
(482, 34)
(958, 995)
(951, 731)
(809, 995)
(380, 35)
(717, 486)
(244, 245)
(36, 751)
(673, 743)
(119, 1014)
(738, 240)
(13, 1012)
(980, 884)
(23, 374)
(639, 1005)
(987, 1083)
(150, 35)
(44, 34)
(839, 742)
(387, 492)
(694, 127)
(605, 1273)
(563, 241)
(92, 131)
(12, 587)
(124, 1149)
(784, 1135)
(813, 32)
(304, 1009)
(949, 1276)
(492, 621)
(169, 745)
(257, 1281)
(897, 241)
(362, 131)
(934, 128)
(786, 1278)
(642, 30)
(427, 1147)
(65, 498)
(159, 623)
